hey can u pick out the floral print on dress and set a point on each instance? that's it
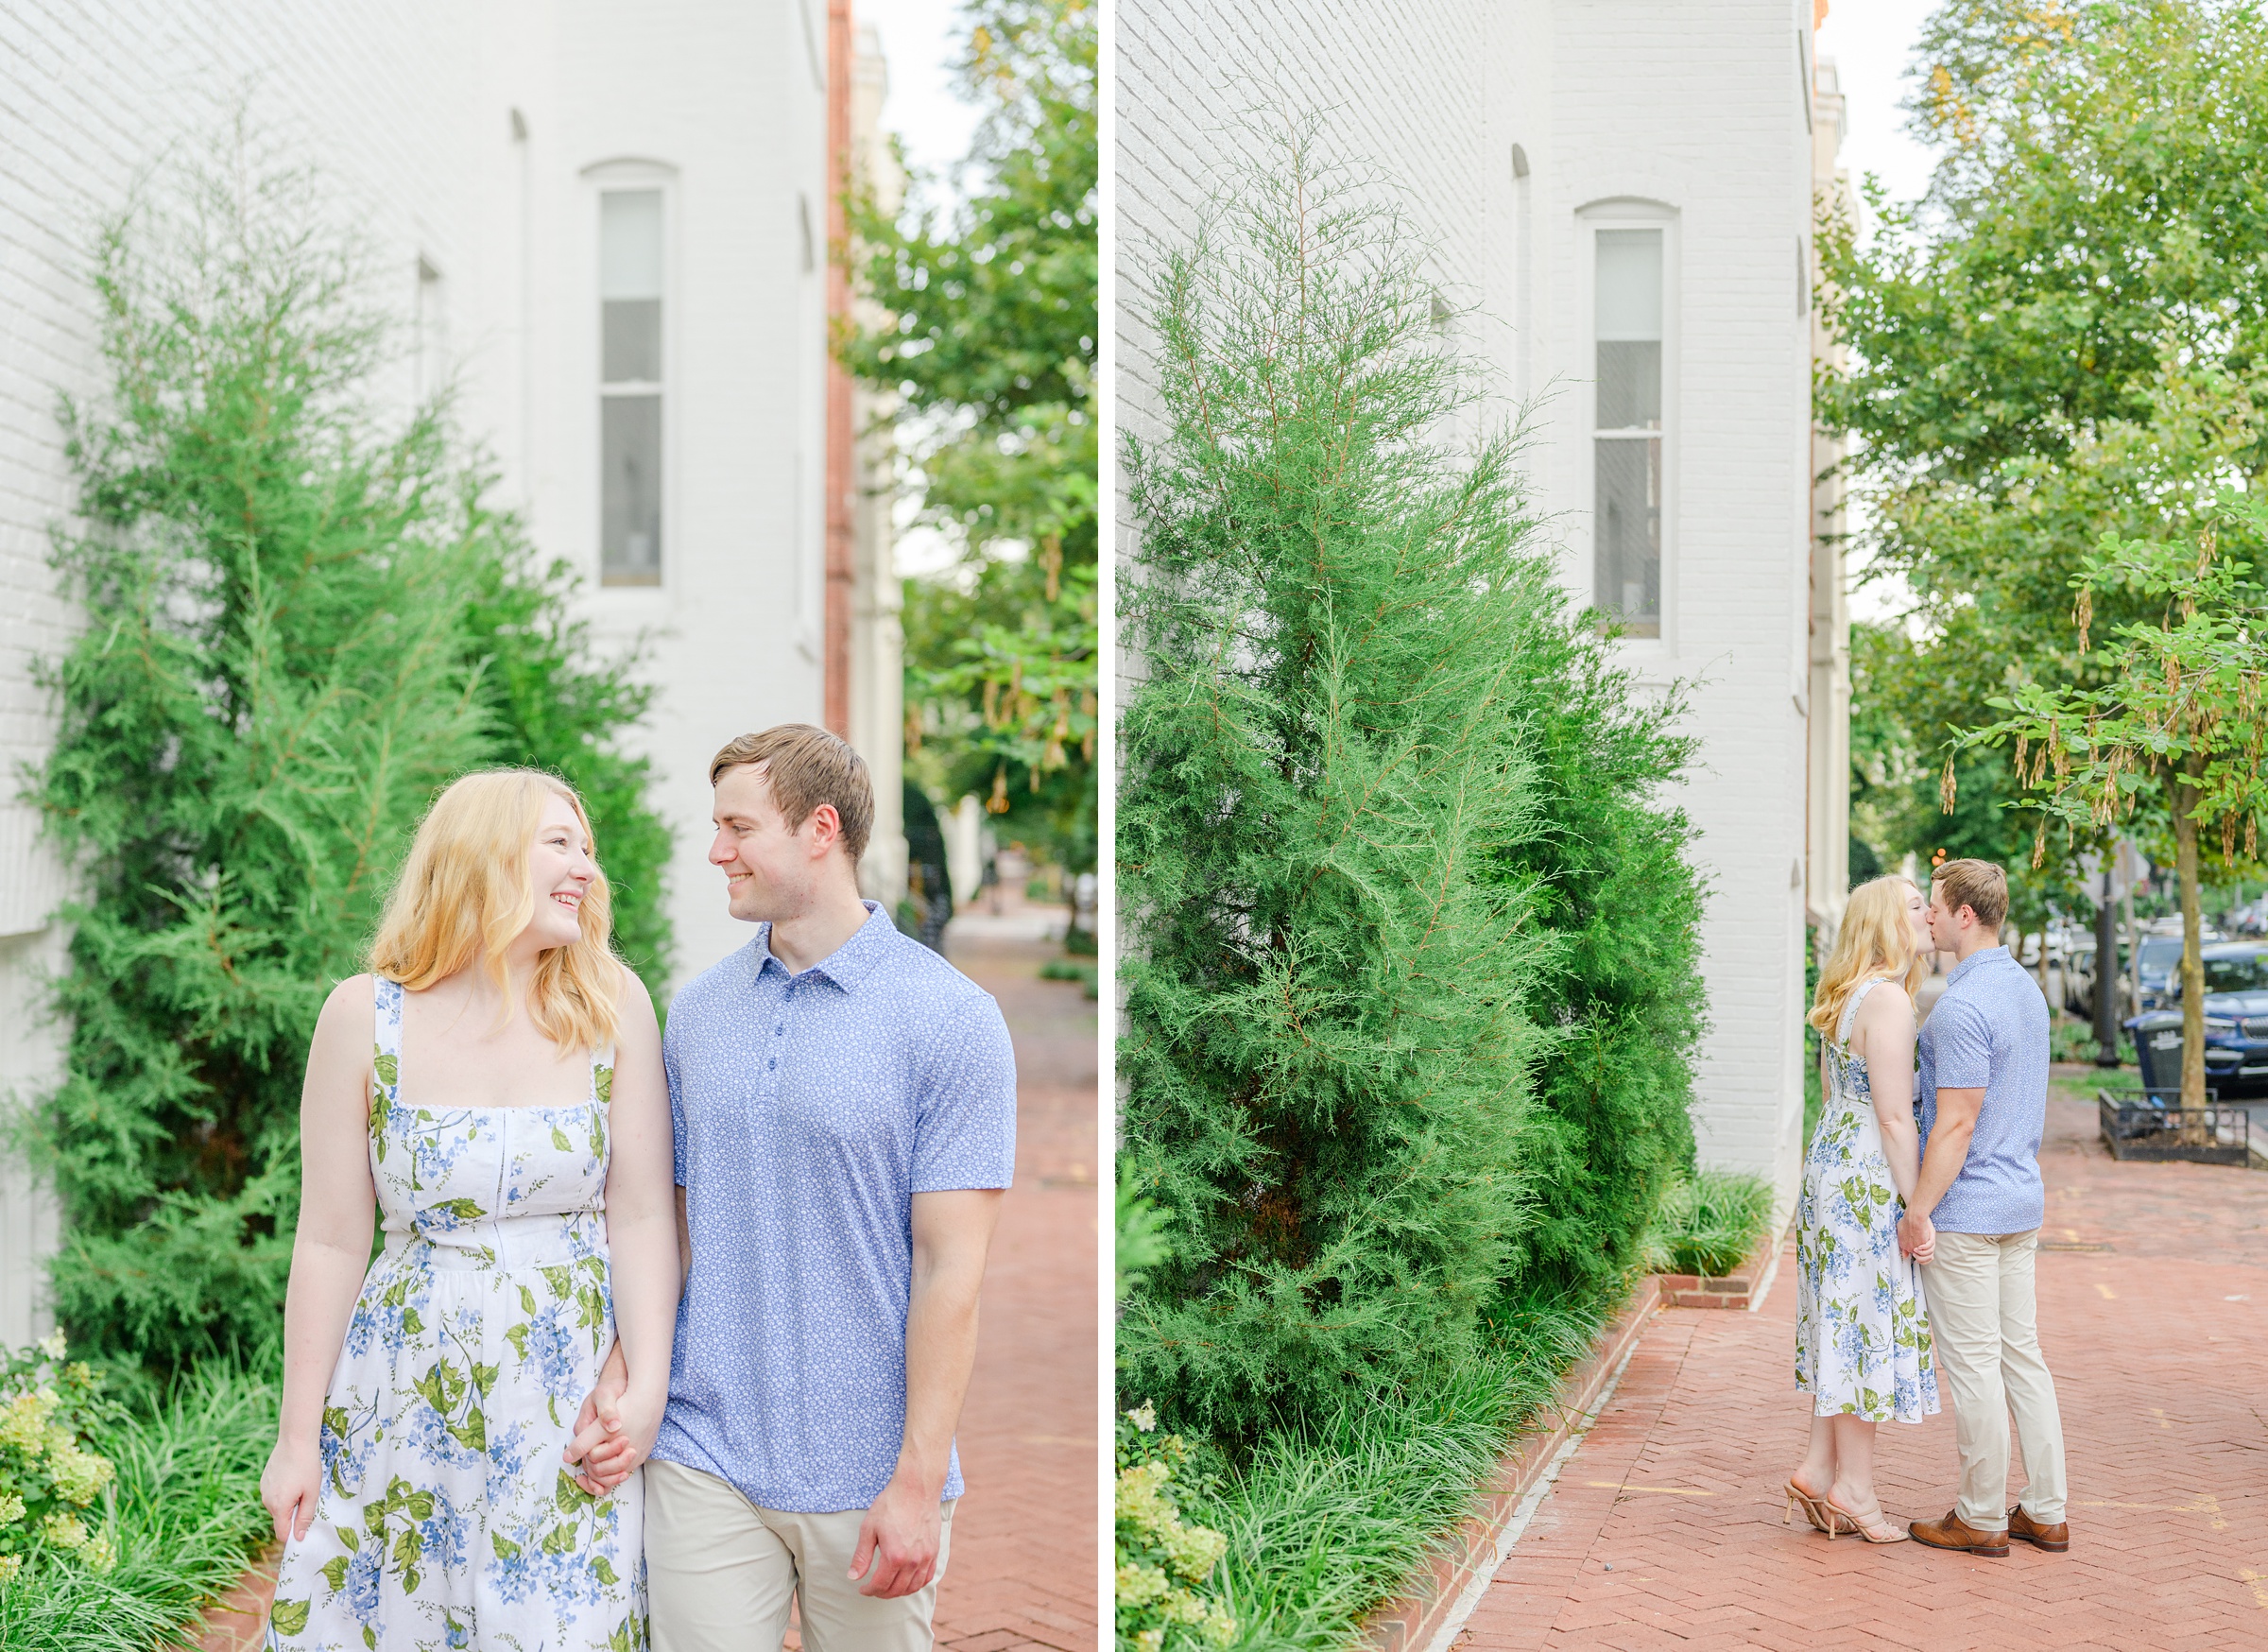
(1861, 1328)
(447, 1522)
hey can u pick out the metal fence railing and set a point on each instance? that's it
(2150, 1124)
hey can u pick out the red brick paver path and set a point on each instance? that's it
(1022, 1572)
(1664, 1528)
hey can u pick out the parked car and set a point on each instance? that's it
(2235, 1017)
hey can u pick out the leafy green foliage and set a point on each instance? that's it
(50, 1477)
(991, 349)
(1330, 1519)
(1162, 1561)
(1709, 1222)
(2097, 228)
(184, 1511)
(2172, 720)
(1413, 989)
(300, 627)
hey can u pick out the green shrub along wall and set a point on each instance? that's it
(299, 624)
(1411, 992)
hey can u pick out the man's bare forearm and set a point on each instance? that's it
(940, 1352)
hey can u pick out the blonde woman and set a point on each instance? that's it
(1862, 1330)
(494, 1089)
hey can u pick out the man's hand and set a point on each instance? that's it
(1917, 1237)
(604, 1443)
(898, 1541)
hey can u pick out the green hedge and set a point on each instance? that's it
(302, 620)
(1414, 983)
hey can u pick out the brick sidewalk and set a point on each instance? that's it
(1022, 1572)
(1664, 1528)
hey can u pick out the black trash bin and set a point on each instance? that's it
(2158, 1052)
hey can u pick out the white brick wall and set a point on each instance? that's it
(407, 109)
(1700, 110)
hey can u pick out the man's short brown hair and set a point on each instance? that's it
(1977, 885)
(805, 766)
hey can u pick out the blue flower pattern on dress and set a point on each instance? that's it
(1861, 1328)
(446, 1523)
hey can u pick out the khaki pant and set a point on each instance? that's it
(720, 1573)
(1982, 1319)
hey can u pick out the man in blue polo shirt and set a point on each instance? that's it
(844, 1103)
(1982, 1081)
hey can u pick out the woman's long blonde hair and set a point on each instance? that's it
(465, 894)
(1875, 942)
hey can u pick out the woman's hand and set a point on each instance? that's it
(289, 1486)
(1917, 1236)
(614, 1431)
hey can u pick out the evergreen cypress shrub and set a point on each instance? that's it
(298, 626)
(1413, 982)
(1328, 1037)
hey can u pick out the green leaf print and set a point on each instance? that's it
(505, 1548)
(561, 1280)
(472, 1434)
(569, 1496)
(599, 1123)
(370, 1638)
(386, 1066)
(603, 1572)
(463, 1210)
(602, 1084)
(558, 1540)
(411, 1323)
(527, 1305)
(288, 1617)
(373, 1519)
(484, 1380)
(335, 1573)
(348, 1537)
(419, 1504)
(517, 1336)
(558, 1140)
(411, 1578)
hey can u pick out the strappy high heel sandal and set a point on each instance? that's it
(1799, 1496)
(1838, 1516)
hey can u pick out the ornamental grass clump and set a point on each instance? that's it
(50, 1476)
(1329, 1036)
(303, 618)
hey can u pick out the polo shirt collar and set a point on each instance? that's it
(1971, 962)
(847, 966)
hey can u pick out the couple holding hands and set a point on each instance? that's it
(675, 1327)
(1919, 1217)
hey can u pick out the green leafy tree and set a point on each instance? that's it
(1386, 843)
(990, 348)
(2172, 720)
(298, 627)
(2098, 217)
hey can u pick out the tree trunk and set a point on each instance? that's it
(2192, 965)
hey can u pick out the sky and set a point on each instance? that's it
(920, 41)
(1871, 45)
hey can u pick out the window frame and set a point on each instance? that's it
(1632, 213)
(601, 180)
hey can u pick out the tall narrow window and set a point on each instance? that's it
(630, 387)
(1626, 430)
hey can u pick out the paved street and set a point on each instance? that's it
(1664, 1527)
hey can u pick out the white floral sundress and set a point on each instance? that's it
(447, 1522)
(1861, 1328)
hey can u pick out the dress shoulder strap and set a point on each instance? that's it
(602, 1074)
(1850, 1008)
(388, 996)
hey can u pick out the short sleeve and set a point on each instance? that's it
(965, 1122)
(677, 1102)
(1961, 1045)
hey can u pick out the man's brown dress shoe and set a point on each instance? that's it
(1952, 1532)
(2054, 1539)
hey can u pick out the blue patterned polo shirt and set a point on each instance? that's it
(1989, 1032)
(808, 1110)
